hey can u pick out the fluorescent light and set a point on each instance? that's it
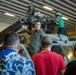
(9, 14)
(65, 18)
(46, 7)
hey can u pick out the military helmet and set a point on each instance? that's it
(58, 14)
(30, 5)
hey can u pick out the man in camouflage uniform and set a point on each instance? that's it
(36, 34)
(31, 10)
(24, 38)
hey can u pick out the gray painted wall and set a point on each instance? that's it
(3, 26)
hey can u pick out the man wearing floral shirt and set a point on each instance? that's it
(12, 63)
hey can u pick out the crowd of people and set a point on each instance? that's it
(43, 61)
(48, 23)
(36, 34)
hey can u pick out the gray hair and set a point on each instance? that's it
(11, 39)
(46, 41)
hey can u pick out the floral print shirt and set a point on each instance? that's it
(12, 63)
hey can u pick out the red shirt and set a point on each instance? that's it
(48, 63)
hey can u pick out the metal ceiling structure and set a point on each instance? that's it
(20, 7)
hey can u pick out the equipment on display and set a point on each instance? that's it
(31, 17)
(63, 46)
(61, 43)
(46, 21)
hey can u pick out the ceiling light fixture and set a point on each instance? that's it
(9, 14)
(46, 7)
(65, 18)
